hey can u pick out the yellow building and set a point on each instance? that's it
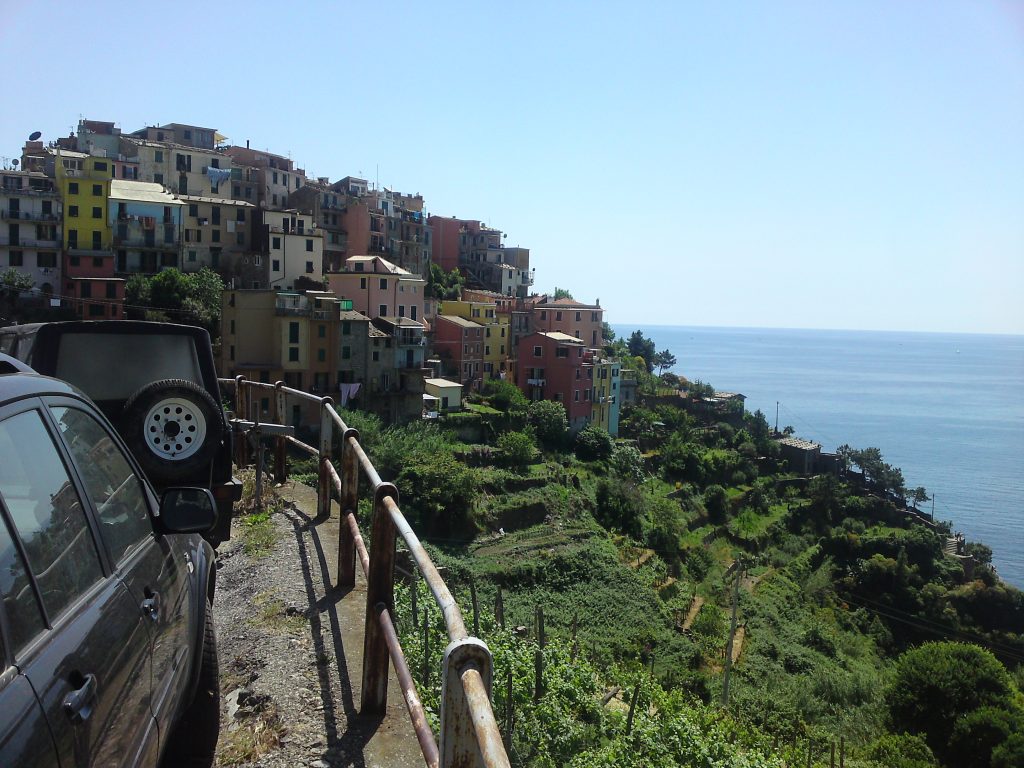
(84, 183)
(497, 350)
(605, 397)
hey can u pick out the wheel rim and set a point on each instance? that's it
(175, 429)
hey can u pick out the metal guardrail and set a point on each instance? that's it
(469, 734)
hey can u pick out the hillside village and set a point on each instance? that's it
(337, 287)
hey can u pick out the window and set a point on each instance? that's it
(576, 396)
(240, 238)
(376, 356)
(362, 283)
(95, 310)
(73, 211)
(110, 483)
(240, 214)
(578, 316)
(97, 189)
(19, 599)
(321, 331)
(86, 291)
(401, 310)
(48, 517)
(97, 241)
(543, 315)
(276, 243)
(97, 212)
(487, 349)
(193, 209)
(275, 265)
(538, 352)
(293, 333)
(236, 191)
(309, 245)
(346, 328)
(17, 259)
(215, 213)
(346, 353)
(558, 316)
(309, 267)
(383, 310)
(293, 354)
(111, 290)
(72, 187)
(216, 235)
(321, 355)
(47, 260)
(158, 178)
(383, 284)
(158, 156)
(75, 260)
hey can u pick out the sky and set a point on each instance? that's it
(760, 164)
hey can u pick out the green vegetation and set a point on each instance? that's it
(634, 549)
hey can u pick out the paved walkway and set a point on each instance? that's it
(387, 742)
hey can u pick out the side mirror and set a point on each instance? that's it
(187, 510)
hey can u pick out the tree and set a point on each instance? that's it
(664, 359)
(627, 463)
(640, 346)
(136, 296)
(12, 284)
(562, 293)
(919, 495)
(549, 422)
(444, 285)
(716, 502)
(592, 442)
(607, 333)
(938, 684)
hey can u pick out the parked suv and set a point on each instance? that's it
(107, 650)
(157, 384)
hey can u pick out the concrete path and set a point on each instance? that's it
(384, 742)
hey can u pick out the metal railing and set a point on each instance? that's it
(469, 734)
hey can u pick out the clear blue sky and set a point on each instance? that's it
(788, 164)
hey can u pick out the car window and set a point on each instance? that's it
(110, 483)
(24, 619)
(46, 512)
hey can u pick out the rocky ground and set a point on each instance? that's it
(288, 647)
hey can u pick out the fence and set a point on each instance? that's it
(469, 734)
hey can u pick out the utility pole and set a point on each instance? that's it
(732, 636)
(933, 507)
(776, 417)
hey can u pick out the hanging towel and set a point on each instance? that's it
(217, 175)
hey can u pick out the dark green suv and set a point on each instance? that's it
(107, 649)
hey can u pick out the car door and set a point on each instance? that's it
(24, 734)
(89, 666)
(152, 567)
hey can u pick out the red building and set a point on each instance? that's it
(459, 343)
(556, 366)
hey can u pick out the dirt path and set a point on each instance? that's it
(291, 654)
(695, 607)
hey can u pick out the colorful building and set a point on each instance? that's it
(379, 288)
(30, 241)
(146, 221)
(554, 366)
(497, 352)
(459, 343)
(582, 321)
(605, 397)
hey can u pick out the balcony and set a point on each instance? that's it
(536, 382)
(29, 242)
(27, 216)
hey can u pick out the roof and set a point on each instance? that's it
(403, 322)
(394, 269)
(562, 338)
(351, 314)
(442, 383)
(460, 321)
(567, 302)
(215, 200)
(141, 192)
(796, 442)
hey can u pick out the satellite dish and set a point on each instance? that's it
(14, 162)
(35, 136)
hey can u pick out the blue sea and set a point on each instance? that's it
(948, 409)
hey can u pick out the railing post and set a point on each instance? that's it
(323, 496)
(380, 591)
(242, 409)
(459, 745)
(280, 463)
(349, 503)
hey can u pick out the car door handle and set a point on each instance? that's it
(151, 605)
(78, 703)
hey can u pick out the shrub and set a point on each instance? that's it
(517, 449)
(627, 463)
(902, 751)
(620, 507)
(504, 394)
(716, 502)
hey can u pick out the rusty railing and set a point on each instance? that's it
(469, 734)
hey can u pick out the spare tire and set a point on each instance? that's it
(173, 427)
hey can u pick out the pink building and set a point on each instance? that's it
(555, 366)
(571, 317)
(378, 288)
(460, 345)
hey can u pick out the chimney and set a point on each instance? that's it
(246, 143)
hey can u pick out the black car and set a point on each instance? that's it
(107, 650)
(157, 384)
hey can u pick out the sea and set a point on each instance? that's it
(948, 409)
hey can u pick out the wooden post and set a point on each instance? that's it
(632, 709)
(842, 752)
(476, 607)
(809, 743)
(324, 486)
(499, 609)
(732, 635)
(349, 504)
(426, 647)
(380, 595)
(832, 756)
(538, 657)
(242, 412)
(280, 455)
(509, 710)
